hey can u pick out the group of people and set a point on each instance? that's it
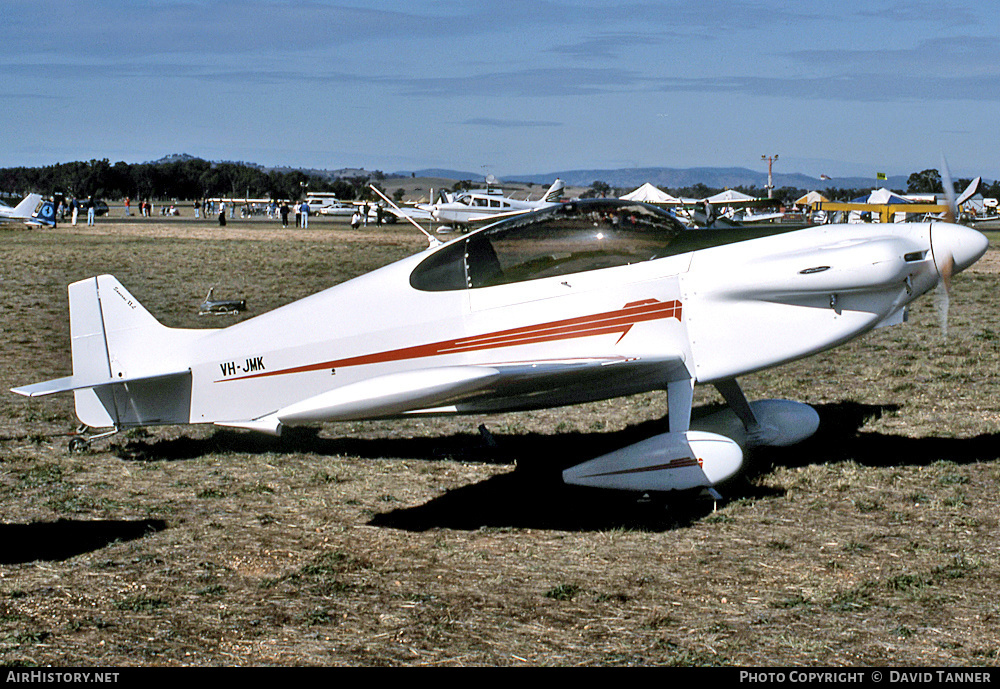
(146, 208)
(219, 208)
(75, 206)
(360, 217)
(302, 212)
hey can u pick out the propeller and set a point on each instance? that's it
(946, 261)
(942, 297)
(951, 214)
(953, 247)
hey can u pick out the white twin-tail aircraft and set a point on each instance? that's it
(582, 301)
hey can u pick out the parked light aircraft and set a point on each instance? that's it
(582, 301)
(216, 307)
(470, 207)
(32, 211)
(22, 211)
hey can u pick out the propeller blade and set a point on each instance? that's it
(947, 270)
(942, 297)
(951, 215)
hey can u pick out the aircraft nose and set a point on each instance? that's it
(962, 244)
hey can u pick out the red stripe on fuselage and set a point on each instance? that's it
(605, 323)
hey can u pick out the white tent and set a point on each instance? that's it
(878, 197)
(647, 193)
(881, 196)
(729, 197)
(812, 198)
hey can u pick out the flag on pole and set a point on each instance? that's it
(880, 175)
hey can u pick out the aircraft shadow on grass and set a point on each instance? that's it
(534, 495)
(63, 539)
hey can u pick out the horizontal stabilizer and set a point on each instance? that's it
(69, 383)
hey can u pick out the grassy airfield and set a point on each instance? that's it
(418, 543)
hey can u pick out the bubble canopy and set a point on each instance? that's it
(573, 237)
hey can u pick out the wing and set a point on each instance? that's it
(508, 386)
(526, 385)
(478, 218)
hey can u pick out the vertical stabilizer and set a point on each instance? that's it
(137, 343)
(555, 192)
(27, 206)
(115, 339)
(90, 350)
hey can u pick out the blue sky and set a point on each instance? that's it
(846, 88)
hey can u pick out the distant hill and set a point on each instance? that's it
(173, 158)
(439, 173)
(672, 178)
(622, 178)
(715, 177)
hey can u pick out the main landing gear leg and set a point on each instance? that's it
(680, 400)
(775, 423)
(737, 401)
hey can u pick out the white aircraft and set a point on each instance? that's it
(470, 207)
(22, 211)
(583, 301)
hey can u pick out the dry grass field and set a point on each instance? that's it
(418, 543)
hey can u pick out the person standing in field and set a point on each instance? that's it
(304, 208)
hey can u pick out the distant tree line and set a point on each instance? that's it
(177, 180)
(195, 178)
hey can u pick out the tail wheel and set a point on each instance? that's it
(79, 445)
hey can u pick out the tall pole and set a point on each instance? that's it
(770, 184)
